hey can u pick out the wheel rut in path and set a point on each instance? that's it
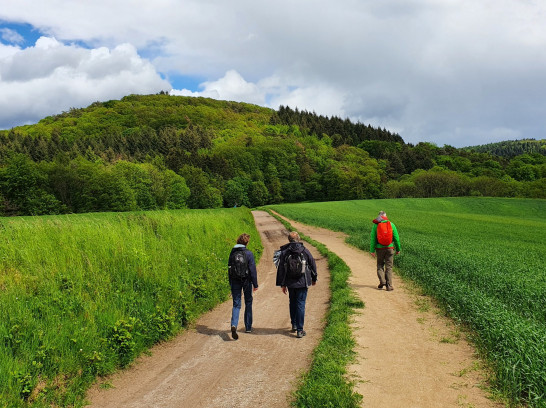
(204, 367)
(408, 357)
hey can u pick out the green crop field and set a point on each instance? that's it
(482, 258)
(82, 295)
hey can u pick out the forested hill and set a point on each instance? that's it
(161, 151)
(511, 148)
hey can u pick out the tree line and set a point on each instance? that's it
(512, 148)
(160, 151)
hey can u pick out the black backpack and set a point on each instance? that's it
(294, 264)
(238, 264)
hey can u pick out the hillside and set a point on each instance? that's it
(147, 152)
(511, 148)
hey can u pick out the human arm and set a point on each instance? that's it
(395, 238)
(280, 280)
(373, 239)
(312, 265)
(252, 269)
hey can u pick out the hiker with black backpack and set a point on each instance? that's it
(296, 271)
(243, 277)
(384, 240)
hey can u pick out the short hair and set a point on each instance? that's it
(243, 239)
(382, 213)
(294, 237)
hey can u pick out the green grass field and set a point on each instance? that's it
(82, 295)
(482, 258)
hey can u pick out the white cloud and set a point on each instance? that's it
(7, 51)
(51, 77)
(11, 36)
(231, 87)
(269, 92)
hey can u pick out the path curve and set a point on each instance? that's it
(204, 367)
(407, 358)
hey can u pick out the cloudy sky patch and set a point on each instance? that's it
(455, 72)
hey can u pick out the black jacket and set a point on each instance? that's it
(306, 279)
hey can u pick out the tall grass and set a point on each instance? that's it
(82, 295)
(482, 258)
(327, 383)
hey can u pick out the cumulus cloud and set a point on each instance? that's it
(232, 86)
(270, 92)
(52, 77)
(7, 50)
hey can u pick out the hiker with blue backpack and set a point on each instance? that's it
(296, 271)
(384, 240)
(243, 277)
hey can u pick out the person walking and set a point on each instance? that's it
(243, 277)
(296, 271)
(384, 240)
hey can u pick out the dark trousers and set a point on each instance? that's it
(236, 288)
(384, 265)
(297, 297)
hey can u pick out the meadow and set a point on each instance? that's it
(84, 295)
(483, 259)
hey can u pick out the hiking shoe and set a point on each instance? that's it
(294, 328)
(234, 333)
(389, 288)
(380, 286)
(248, 330)
(300, 334)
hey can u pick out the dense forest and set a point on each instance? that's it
(512, 148)
(159, 151)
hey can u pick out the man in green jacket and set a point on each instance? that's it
(384, 240)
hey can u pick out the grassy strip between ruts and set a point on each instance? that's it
(327, 383)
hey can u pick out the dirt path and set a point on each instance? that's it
(408, 356)
(204, 367)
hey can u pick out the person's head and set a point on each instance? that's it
(243, 239)
(294, 237)
(382, 214)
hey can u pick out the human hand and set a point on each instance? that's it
(255, 289)
(284, 289)
(373, 254)
(397, 253)
(313, 283)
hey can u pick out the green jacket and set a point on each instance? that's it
(395, 239)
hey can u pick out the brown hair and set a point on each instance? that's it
(243, 239)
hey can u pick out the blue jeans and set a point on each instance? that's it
(297, 297)
(236, 288)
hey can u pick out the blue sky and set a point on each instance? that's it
(455, 72)
(21, 34)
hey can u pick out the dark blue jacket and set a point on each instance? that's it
(253, 275)
(310, 275)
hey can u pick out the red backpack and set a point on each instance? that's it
(384, 233)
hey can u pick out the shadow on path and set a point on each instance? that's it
(256, 331)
